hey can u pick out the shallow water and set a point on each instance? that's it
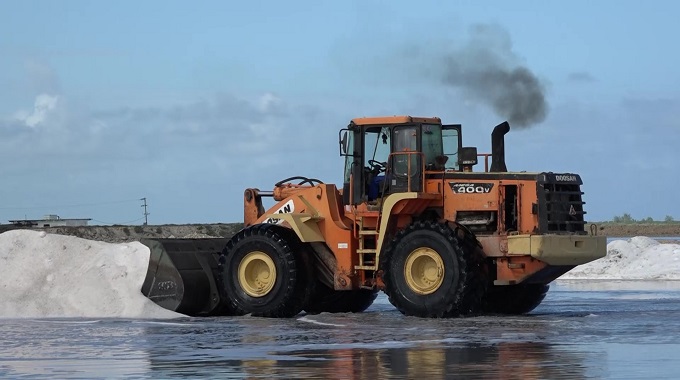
(584, 329)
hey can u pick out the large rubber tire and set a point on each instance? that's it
(262, 274)
(327, 300)
(514, 299)
(452, 278)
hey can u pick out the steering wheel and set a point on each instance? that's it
(302, 179)
(377, 165)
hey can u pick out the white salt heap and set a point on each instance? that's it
(47, 275)
(639, 258)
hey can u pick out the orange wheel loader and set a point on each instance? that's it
(411, 219)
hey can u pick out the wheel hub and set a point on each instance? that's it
(257, 274)
(424, 270)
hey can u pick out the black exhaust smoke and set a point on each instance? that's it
(498, 147)
(485, 70)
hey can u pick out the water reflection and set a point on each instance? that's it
(379, 345)
(525, 360)
(71, 348)
(500, 361)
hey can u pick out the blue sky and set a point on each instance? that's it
(103, 103)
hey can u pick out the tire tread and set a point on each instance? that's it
(465, 299)
(295, 289)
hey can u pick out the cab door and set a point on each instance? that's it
(452, 138)
(351, 146)
(405, 165)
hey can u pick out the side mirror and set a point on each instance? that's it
(343, 142)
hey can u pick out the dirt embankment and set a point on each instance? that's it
(639, 229)
(122, 234)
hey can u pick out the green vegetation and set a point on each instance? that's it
(138, 229)
(628, 219)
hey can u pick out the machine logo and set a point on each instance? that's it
(471, 188)
(287, 208)
(565, 178)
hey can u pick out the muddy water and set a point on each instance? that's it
(583, 329)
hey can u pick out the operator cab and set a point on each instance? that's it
(385, 155)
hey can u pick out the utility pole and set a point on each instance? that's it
(146, 214)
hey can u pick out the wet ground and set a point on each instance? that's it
(584, 329)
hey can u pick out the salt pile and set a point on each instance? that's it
(638, 258)
(47, 275)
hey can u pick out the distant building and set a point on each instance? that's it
(50, 221)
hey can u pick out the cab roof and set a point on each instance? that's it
(379, 120)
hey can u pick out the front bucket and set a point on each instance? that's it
(182, 275)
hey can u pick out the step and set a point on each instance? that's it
(367, 250)
(365, 267)
(368, 232)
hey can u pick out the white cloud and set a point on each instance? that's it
(44, 105)
(269, 102)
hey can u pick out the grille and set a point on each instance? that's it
(560, 203)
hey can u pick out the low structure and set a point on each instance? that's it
(51, 221)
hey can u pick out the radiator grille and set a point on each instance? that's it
(560, 203)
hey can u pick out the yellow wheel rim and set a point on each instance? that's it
(257, 274)
(424, 271)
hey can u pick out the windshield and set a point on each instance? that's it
(377, 144)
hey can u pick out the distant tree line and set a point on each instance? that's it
(627, 219)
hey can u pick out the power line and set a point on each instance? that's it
(146, 214)
(129, 221)
(71, 205)
(145, 205)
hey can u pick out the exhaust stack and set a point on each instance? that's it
(498, 147)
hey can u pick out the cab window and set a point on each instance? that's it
(432, 143)
(349, 159)
(451, 142)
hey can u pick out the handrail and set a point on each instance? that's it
(486, 160)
